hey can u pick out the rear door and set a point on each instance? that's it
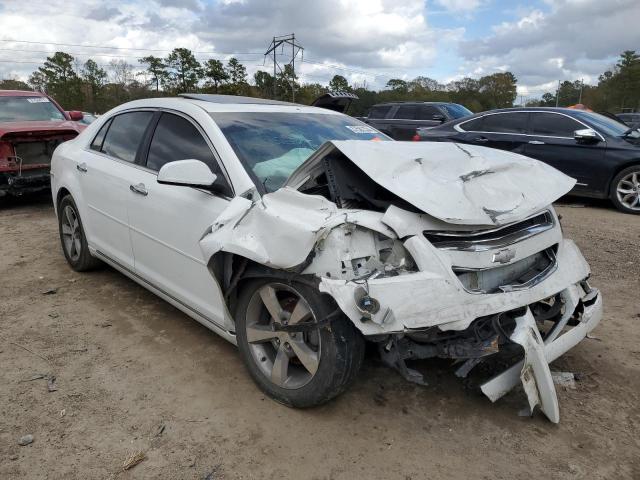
(505, 131)
(167, 221)
(104, 172)
(551, 141)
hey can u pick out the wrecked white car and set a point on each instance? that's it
(299, 233)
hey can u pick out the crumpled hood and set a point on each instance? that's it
(459, 184)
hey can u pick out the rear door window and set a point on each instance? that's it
(506, 123)
(406, 112)
(176, 138)
(553, 125)
(379, 112)
(124, 136)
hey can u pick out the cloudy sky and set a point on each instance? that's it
(540, 41)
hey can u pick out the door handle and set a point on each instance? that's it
(481, 139)
(82, 167)
(536, 142)
(140, 189)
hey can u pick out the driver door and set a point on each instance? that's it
(167, 221)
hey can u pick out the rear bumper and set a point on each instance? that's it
(29, 181)
(533, 371)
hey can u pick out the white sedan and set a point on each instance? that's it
(298, 233)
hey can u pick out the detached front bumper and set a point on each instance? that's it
(533, 371)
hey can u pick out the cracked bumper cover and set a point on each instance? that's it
(533, 371)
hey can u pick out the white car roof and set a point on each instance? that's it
(225, 103)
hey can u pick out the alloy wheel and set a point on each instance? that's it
(71, 233)
(289, 359)
(628, 191)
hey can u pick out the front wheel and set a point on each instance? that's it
(625, 190)
(299, 369)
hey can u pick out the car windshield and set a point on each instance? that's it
(457, 111)
(273, 144)
(607, 125)
(19, 109)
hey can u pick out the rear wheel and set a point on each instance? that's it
(625, 190)
(298, 369)
(72, 237)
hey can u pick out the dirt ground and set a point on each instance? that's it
(135, 374)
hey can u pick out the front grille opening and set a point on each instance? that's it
(493, 238)
(519, 275)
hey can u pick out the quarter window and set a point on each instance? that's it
(553, 125)
(125, 135)
(427, 112)
(176, 138)
(99, 139)
(474, 125)
(506, 123)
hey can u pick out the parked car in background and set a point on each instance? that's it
(630, 119)
(400, 120)
(298, 233)
(32, 125)
(602, 154)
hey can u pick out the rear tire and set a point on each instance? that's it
(625, 190)
(73, 238)
(297, 369)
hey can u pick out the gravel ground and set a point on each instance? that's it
(133, 374)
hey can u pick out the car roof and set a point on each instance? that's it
(224, 103)
(20, 93)
(417, 102)
(535, 109)
(231, 99)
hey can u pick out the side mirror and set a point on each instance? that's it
(586, 135)
(187, 173)
(75, 115)
(439, 118)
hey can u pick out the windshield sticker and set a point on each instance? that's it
(361, 129)
(38, 100)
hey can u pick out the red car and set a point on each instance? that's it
(32, 125)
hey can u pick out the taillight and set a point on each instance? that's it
(416, 138)
(6, 152)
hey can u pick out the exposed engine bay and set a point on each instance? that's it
(444, 252)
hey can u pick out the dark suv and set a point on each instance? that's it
(400, 120)
(602, 154)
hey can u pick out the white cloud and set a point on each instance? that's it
(574, 39)
(460, 6)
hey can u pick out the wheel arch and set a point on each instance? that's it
(620, 168)
(231, 271)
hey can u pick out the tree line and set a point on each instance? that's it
(96, 88)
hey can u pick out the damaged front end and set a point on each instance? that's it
(25, 159)
(431, 250)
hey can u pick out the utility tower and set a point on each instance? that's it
(282, 42)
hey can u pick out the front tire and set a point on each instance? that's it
(73, 238)
(297, 369)
(625, 190)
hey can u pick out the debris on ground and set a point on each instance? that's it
(133, 459)
(160, 429)
(564, 379)
(25, 440)
(51, 291)
(54, 315)
(103, 324)
(63, 412)
(212, 475)
(51, 383)
(593, 337)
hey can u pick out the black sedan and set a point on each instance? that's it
(603, 155)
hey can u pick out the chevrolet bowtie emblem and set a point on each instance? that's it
(503, 256)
